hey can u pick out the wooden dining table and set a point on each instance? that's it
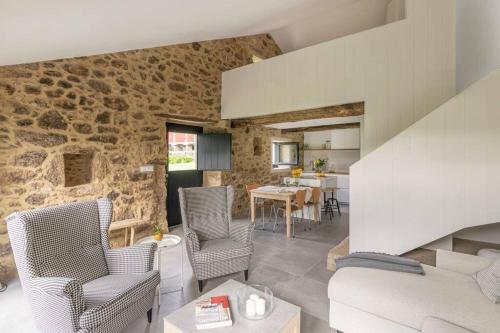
(286, 196)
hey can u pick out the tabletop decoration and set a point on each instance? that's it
(319, 166)
(157, 232)
(255, 302)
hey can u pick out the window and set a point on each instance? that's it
(285, 154)
(181, 151)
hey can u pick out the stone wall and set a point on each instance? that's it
(111, 107)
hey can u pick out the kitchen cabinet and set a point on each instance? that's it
(347, 138)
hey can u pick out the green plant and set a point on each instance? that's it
(179, 159)
(319, 164)
(157, 229)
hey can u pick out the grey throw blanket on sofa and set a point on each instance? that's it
(380, 261)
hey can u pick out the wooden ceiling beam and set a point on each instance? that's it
(320, 128)
(345, 110)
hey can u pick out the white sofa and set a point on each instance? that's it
(446, 300)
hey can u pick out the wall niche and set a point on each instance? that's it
(77, 168)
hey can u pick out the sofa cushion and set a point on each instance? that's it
(488, 280)
(110, 294)
(435, 325)
(409, 298)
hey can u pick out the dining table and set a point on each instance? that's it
(280, 193)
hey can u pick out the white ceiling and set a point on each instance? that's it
(36, 30)
(330, 20)
(317, 122)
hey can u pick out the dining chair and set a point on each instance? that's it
(298, 205)
(259, 203)
(313, 203)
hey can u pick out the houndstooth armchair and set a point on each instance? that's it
(73, 280)
(215, 244)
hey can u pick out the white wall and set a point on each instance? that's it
(402, 71)
(426, 182)
(478, 40)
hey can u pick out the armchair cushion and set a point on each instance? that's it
(111, 294)
(136, 259)
(221, 249)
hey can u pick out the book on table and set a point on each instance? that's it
(213, 313)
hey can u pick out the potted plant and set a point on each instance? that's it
(319, 166)
(157, 232)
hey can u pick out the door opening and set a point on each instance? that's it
(182, 166)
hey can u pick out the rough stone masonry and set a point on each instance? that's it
(106, 106)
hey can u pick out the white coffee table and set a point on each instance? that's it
(285, 317)
(168, 243)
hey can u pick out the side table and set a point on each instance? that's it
(167, 246)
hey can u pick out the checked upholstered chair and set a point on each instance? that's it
(73, 280)
(216, 245)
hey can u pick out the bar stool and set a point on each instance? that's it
(329, 203)
(260, 203)
(313, 203)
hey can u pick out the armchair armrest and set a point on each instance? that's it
(460, 262)
(135, 259)
(59, 300)
(241, 231)
(192, 241)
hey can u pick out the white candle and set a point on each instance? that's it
(250, 305)
(260, 306)
(254, 297)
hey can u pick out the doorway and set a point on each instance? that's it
(182, 166)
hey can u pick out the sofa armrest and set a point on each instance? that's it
(58, 302)
(460, 262)
(241, 232)
(135, 259)
(436, 325)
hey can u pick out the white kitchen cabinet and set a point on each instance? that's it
(347, 138)
(315, 140)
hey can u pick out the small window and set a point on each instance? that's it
(77, 169)
(285, 154)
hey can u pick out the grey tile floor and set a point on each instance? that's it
(294, 269)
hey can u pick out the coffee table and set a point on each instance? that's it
(285, 317)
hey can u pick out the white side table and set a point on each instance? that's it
(169, 249)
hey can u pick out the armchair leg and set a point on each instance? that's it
(200, 285)
(150, 315)
(246, 274)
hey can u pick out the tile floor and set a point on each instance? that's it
(294, 269)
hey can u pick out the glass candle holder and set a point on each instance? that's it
(255, 302)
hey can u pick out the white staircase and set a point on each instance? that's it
(440, 175)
